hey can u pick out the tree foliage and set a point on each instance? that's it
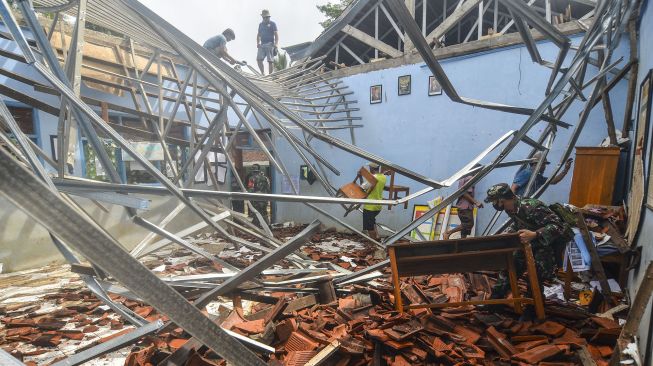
(332, 11)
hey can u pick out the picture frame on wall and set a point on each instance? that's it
(376, 94)
(404, 85)
(426, 227)
(434, 86)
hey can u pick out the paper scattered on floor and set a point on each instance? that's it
(555, 292)
(614, 286)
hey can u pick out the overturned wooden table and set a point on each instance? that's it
(488, 253)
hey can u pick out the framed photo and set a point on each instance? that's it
(434, 86)
(376, 94)
(426, 227)
(403, 85)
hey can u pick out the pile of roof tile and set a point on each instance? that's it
(76, 315)
(364, 328)
(359, 327)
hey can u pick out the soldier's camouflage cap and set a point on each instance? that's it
(498, 191)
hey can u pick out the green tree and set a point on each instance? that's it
(332, 11)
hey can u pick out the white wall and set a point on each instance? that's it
(26, 244)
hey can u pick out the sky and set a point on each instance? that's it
(297, 21)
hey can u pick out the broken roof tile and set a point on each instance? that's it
(251, 327)
(299, 342)
(550, 328)
(538, 354)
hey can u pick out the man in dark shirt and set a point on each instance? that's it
(267, 41)
(524, 175)
(218, 45)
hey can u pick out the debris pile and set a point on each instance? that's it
(364, 328)
(288, 319)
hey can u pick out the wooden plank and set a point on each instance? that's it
(514, 284)
(452, 20)
(395, 279)
(521, 300)
(535, 284)
(371, 41)
(453, 263)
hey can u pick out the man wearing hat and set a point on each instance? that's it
(370, 212)
(523, 176)
(218, 45)
(267, 41)
(536, 224)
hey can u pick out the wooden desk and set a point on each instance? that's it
(465, 255)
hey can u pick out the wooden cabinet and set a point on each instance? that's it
(595, 170)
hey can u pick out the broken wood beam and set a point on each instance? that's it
(371, 41)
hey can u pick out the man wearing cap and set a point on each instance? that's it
(523, 176)
(267, 41)
(536, 224)
(218, 45)
(370, 212)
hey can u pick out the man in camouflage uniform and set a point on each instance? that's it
(536, 224)
(258, 183)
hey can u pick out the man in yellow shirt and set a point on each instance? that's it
(371, 211)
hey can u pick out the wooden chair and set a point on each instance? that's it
(394, 190)
(354, 190)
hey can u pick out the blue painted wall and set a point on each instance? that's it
(645, 54)
(436, 137)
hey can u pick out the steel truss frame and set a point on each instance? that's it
(299, 97)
